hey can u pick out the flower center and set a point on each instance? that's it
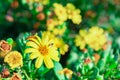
(43, 50)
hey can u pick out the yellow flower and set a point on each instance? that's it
(70, 7)
(44, 2)
(58, 42)
(60, 12)
(80, 39)
(96, 38)
(76, 19)
(14, 59)
(61, 45)
(68, 73)
(73, 13)
(57, 31)
(51, 23)
(42, 49)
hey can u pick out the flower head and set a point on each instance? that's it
(58, 42)
(96, 38)
(60, 12)
(14, 59)
(87, 61)
(73, 13)
(59, 31)
(61, 45)
(5, 73)
(51, 23)
(80, 39)
(16, 77)
(42, 49)
(97, 57)
(44, 2)
(4, 48)
(68, 73)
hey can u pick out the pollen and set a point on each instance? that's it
(43, 50)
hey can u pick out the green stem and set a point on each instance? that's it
(26, 75)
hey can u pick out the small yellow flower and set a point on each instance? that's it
(68, 73)
(42, 49)
(60, 12)
(70, 7)
(44, 2)
(57, 31)
(80, 39)
(96, 38)
(14, 59)
(61, 45)
(76, 19)
(73, 13)
(51, 23)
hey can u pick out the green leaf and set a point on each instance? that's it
(99, 77)
(90, 66)
(113, 65)
(83, 70)
(24, 1)
(10, 41)
(57, 68)
(117, 75)
(42, 70)
(105, 56)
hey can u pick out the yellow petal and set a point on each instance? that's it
(32, 44)
(38, 38)
(48, 62)
(39, 62)
(30, 50)
(34, 40)
(34, 55)
(45, 40)
(54, 55)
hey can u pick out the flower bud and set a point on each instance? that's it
(4, 48)
(5, 73)
(15, 77)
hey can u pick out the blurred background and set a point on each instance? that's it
(18, 16)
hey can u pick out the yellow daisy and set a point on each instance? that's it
(58, 42)
(43, 50)
(14, 59)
